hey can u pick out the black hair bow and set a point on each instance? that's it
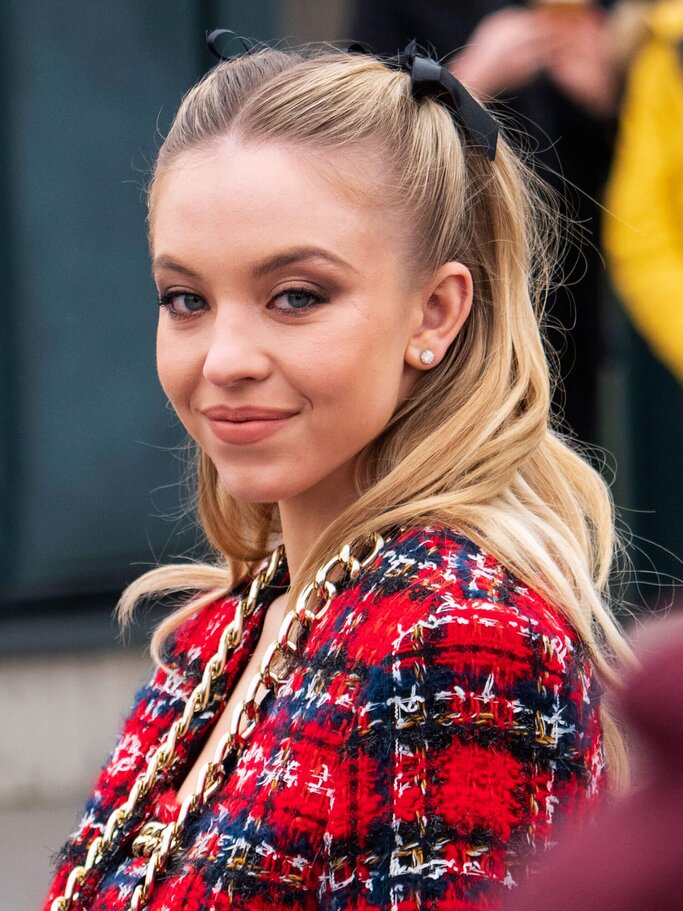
(428, 79)
(217, 40)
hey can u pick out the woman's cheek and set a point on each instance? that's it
(176, 375)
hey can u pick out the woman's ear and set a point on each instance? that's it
(443, 308)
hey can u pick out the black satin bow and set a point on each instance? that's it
(428, 79)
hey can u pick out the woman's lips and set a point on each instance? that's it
(245, 425)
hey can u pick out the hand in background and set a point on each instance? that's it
(511, 47)
(506, 51)
(582, 64)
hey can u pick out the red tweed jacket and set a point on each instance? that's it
(439, 723)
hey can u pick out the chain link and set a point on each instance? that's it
(159, 841)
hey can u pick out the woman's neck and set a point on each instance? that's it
(305, 516)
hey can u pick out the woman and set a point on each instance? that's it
(343, 257)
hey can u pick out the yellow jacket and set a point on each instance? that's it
(643, 231)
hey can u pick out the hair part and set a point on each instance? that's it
(473, 447)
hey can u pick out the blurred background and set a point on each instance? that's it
(90, 466)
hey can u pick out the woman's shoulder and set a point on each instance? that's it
(438, 631)
(436, 575)
(436, 606)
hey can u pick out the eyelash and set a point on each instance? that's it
(166, 301)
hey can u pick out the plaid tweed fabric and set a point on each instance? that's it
(441, 721)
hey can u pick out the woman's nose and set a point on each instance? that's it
(235, 352)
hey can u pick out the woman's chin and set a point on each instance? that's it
(259, 491)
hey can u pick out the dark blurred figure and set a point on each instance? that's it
(632, 858)
(554, 69)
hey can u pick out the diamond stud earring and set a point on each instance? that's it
(427, 356)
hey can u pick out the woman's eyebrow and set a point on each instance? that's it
(165, 262)
(271, 264)
(297, 255)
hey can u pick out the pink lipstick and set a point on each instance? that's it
(248, 424)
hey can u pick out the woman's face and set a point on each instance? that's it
(285, 320)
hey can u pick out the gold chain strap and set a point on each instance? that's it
(159, 841)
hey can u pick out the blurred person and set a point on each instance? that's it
(391, 681)
(553, 71)
(631, 859)
(643, 228)
(566, 42)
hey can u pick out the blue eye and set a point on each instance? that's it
(182, 303)
(297, 300)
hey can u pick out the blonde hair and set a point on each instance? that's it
(473, 447)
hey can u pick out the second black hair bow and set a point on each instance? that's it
(218, 40)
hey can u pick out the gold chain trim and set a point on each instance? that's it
(158, 841)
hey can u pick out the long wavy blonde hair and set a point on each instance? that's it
(473, 447)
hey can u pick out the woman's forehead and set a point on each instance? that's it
(356, 173)
(254, 193)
